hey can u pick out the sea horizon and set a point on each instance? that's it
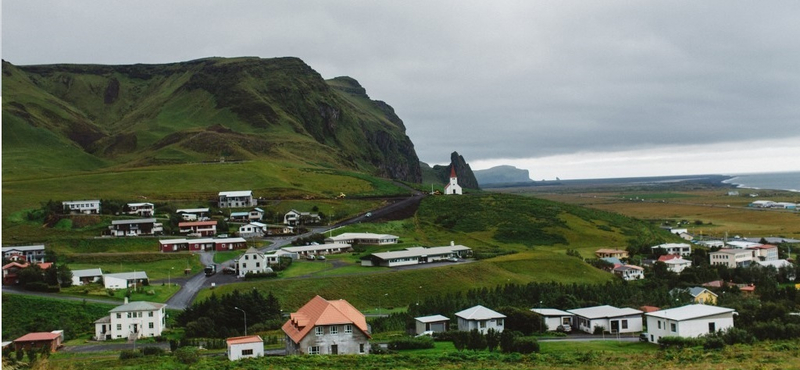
(788, 181)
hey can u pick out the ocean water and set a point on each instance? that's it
(773, 180)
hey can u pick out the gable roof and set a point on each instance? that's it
(87, 273)
(696, 291)
(550, 312)
(432, 318)
(138, 306)
(127, 275)
(689, 312)
(319, 311)
(479, 313)
(23, 248)
(32, 337)
(604, 311)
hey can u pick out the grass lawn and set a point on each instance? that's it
(161, 293)
(220, 257)
(156, 270)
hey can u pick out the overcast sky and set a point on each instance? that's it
(574, 89)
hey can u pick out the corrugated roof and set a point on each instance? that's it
(30, 337)
(136, 221)
(128, 275)
(23, 248)
(479, 313)
(433, 318)
(240, 193)
(420, 251)
(243, 340)
(87, 272)
(319, 311)
(598, 312)
(689, 312)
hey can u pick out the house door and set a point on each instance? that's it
(335, 349)
(135, 328)
(615, 326)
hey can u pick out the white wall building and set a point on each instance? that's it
(452, 188)
(688, 321)
(481, 318)
(123, 280)
(363, 238)
(30, 253)
(677, 265)
(732, 258)
(82, 206)
(236, 199)
(610, 318)
(245, 347)
(554, 318)
(433, 323)
(252, 261)
(682, 249)
(415, 255)
(87, 276)
(140, 319)
(253, 229)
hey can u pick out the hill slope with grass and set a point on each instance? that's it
(61, 119)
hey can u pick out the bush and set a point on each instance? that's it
(128, 354)
(679, 342)
(526, 345)
(187, 355)
(260, 275)
(714, 343)
(411, 343)
(152, 351)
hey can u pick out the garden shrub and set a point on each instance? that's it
(411, 343)
(187, 355)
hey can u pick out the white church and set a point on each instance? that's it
(452, 188)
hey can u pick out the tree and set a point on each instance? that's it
(492, 339)
(475, 340)
(65, 276)
(507, 340)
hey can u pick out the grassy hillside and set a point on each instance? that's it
(96, 117)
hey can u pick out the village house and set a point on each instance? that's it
(295, 218)
(51, 340)
(198, 228)
(141, 209)
(202, 244)
(123, 280)
(416, 255)
(732, 258)
(193, 214)
(700, 295)
(452, 188)
(30, 253)
(764, 252)
(87, 276)
(253, 229)
(11, 270)
(137, 319)
(629, 272)
(762, 204)
(675, 263)
(82, 206)
(274, 257)
(431, 324)
(245, 347)
(553, 318)
(142, 226)
(615, 253)
(687, 321)
(327, 327)
(252, 261)
(682, 249)
(318, 250)
(481, 318)
(363, 238)
(236, 199)
(609, 318)
(273, 229)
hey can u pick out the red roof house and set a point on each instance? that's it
(51, 340)
(327, 327)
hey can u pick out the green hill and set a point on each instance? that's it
(60, 119)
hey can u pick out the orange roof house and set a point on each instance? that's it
(11, 270)
(327, 327)
(52, 340)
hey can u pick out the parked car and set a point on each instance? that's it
(321, 258)
(310, 257)
(452, 259)
(565, 328)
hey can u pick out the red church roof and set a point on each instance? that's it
(452, 171)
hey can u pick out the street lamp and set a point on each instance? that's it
(169, 276)
(245, 319)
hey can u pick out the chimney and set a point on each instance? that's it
(452, 243)
(126, 300)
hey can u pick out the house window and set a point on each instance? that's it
(361, 348)
(119, 315)
(712, 327)
(313, 350)
(334, 329)
(247, 352)
(483, 324)
(319, 331)
(150, 314)
(258, 264)
(348, 329)
(244, 265)
(624, 324)
(499, 322)
(150, 325)
(673, 327)
(246, 257)
(659, 324)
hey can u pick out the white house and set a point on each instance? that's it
(434, 323)
(123, 280)
(140, 319)
(629, 272)
(295, 217)
(481, 318)
(415, 255)
(323, 327)
(688, 321)
(252, 261)
(553, 318)
(363, 238)
(610, 318)
(82, 206)
(762, 204)
(30, 253)
(452, 188)
(87, 276)
(193, 214)
(274, 257)
(732, 258)
(141, 226)
(676, 265)
(253, 229)
(236, 199)
(682, 249)
(244, 347)
(765, 252)
(320, 249)
(141, 209)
